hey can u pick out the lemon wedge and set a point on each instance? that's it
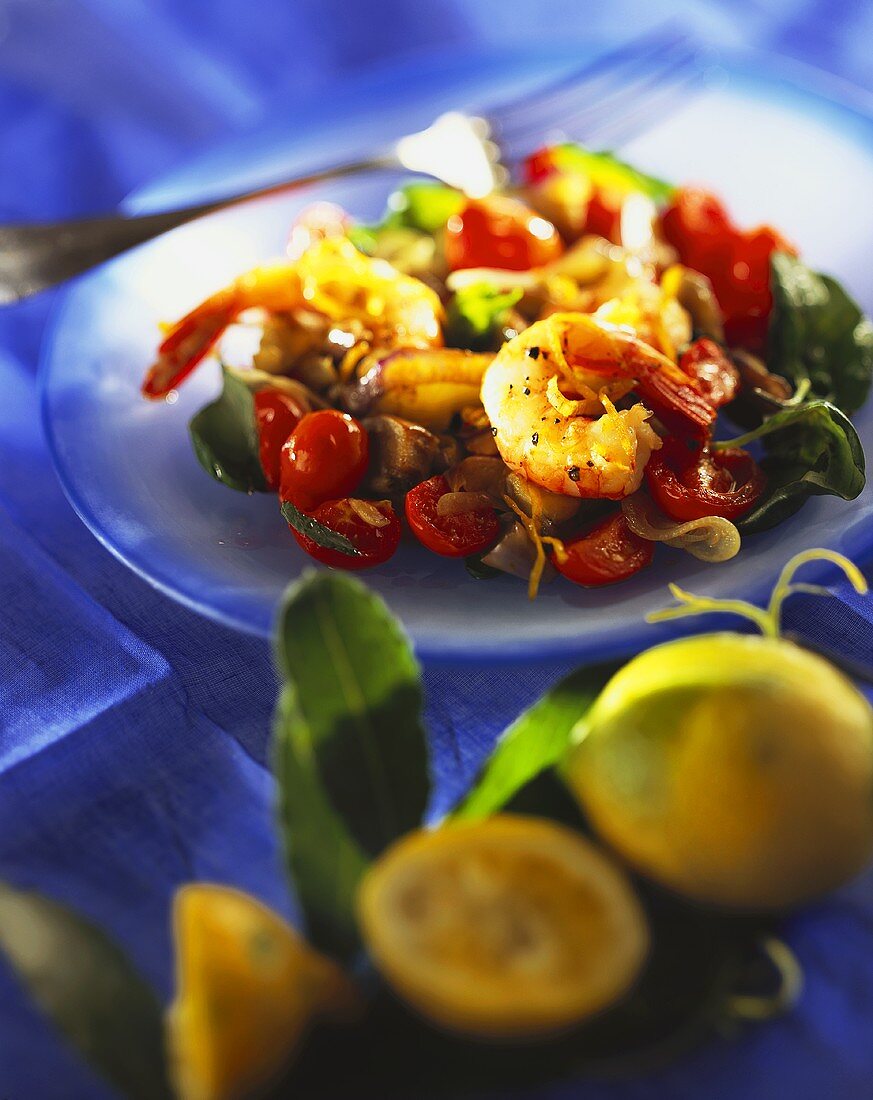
(248, 987)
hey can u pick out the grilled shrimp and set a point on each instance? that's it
(332, 279)
(549, 395)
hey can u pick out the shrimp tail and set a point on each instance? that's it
(332, 279)
(187, 343)
(274, 288)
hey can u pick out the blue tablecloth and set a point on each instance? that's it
(132, 732)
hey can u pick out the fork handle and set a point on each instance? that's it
(34, 257)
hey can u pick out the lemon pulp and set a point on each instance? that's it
(247, 988)
(507, 926)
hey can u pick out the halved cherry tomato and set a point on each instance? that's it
(325, 458)
(606, 553)
(719, 379)
(500, 232)
(277, 415)
(737, 262)
(375, 545)
(710, 483)
(452, 536)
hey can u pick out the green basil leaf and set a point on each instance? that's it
(535, 741)
(86, 985)
(425, 205)
(325, 862)
(810, 449)
(475, 314)
(316, 531)
(225, 438)
(350, 725)
(606, 170)
(818, 332)
(365, 238)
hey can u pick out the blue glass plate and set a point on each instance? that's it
(776, 140)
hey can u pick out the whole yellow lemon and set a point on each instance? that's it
(736, 770)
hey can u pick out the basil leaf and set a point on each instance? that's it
(365, 238)
(818, 332)
(316, 531)
(810, 449)
(425, 205)
(225, 438)
(475, 314)
(606, 170)
(323, 858)
(88, 988)
(349, 729)
(535, 741)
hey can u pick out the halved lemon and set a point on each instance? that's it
(510, 926)
(736, 769)
(248, 987)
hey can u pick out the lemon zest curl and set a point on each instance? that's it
(769, 619)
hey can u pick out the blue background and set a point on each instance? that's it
(133, 732)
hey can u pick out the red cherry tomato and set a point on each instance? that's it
(607, 553)
(325, 458)
(541, 164)
(696, 224)
(375, 544)
(452, 536)
(737, 262)
(745, 286)
(711, 483)
(277, 415)
(500, 232)
(718, 377)
(603, 216)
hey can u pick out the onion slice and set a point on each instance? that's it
(456, 504)
(711, 539)
(368, 512)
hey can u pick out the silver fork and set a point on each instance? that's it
(604, 101)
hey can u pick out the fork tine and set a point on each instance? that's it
(590, 119)
(611, 97)
(609, 70)
(651, 41)
(651, 109)
(594, 122)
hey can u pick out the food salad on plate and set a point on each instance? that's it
(550, 380)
